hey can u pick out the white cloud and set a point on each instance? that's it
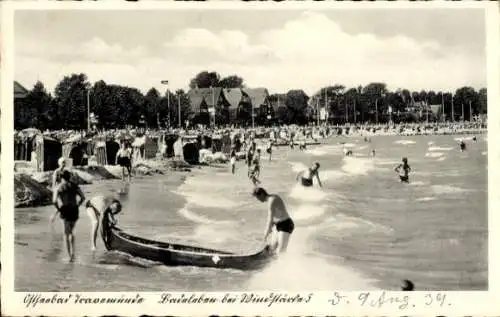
(307, 53)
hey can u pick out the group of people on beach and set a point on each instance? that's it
(68, 198)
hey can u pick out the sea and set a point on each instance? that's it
(363, 230)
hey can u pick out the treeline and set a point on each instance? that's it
(116, 106)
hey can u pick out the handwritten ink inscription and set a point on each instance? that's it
(383, 299)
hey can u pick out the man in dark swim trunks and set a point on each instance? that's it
(306, 177)
(277, 216)
(68, 209)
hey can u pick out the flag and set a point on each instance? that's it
(164, 82)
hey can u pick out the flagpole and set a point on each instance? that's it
(354, 110)
(213, 102)
(426, 112)
(442, 103)
(88, 109)
(463, 115)
(179, 109)
(164, 82)
(317, 111)
(346, 112)
(470, 111)
(452, 109)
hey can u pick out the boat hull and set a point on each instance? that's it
(171, 254)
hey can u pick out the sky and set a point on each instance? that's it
(416, 49)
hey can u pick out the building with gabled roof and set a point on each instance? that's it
(19, 91)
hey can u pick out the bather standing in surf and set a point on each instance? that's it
(67, 207)
(56, 176)
(96, 207)
(255, 171)
(306, 177)
(403, 169)
(277, 217)
(124, 159)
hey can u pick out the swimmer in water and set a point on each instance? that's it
(373, 153)
(463, 147)
(277, 217)
(403, 169)
(306, 177)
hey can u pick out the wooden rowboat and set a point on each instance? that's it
(172, 254)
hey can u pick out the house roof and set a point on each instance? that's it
(258, 96)
(19, 90)
(208, 95)
(233, 96)
(436, 109)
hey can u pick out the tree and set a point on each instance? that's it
(232, 81)
(151, 107)
(464, 97)
(482, 101)
(71, 100)
(36, 110)
(205, 79)
(296, 103)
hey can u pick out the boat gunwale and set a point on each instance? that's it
(118, 233)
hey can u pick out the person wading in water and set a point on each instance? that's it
(306, 177)
(65, 201)
(233, 160)
(56, 176)
(269, 149)
(403, 169)
(96, 207)
(255, 171)
(124, 159)
(277, 216)
(249, 157)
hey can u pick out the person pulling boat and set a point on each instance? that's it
(277, 217)
(96, 208)
(306, 177)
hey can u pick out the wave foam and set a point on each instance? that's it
(438, 148)
(417, 183)
(426, 199)
(357, 166)
(190, 215)
(447, 189)
(287, 272)
(404, 142)
(298, 166)
(307, 194)
(307, 212)
(434, 154)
